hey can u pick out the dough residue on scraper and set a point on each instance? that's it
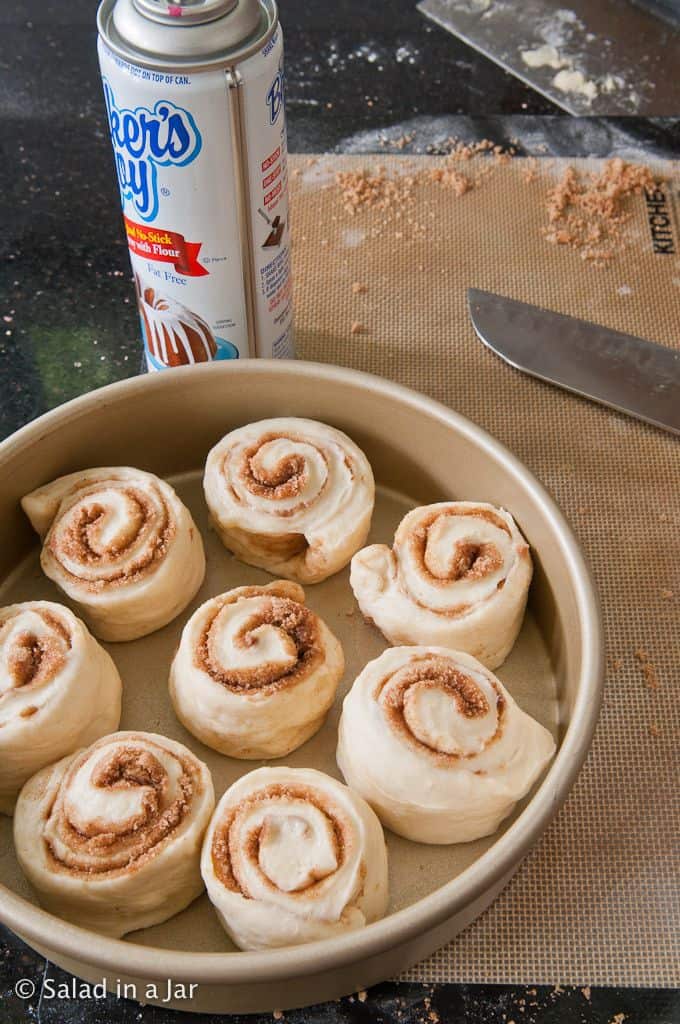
(568, 80)
(545, 56)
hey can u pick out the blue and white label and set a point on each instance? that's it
(145, 139)
(275, 97)
(189, 217)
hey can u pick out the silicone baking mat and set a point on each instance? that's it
(383, 289)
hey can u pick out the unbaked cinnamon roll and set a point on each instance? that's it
(292, 855)
(110, 838)
(437, 746)
(457, 576)
(292, 496)
(255, 671)
(121, 545)
(59, 690)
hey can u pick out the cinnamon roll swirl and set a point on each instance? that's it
(292, 496)
(437, 746)
(457, 576)
(110, 838)
(255, 671)
(59, 690)
(121, 545)
(290, 856)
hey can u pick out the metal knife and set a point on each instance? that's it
(619, 370)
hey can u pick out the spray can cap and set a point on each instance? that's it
(190, 33)
(184, 12)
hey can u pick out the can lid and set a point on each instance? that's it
(184, 12)
(191, 33)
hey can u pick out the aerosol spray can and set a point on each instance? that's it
(195, 104)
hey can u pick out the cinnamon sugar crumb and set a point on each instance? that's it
(616, 664)
(400, 143)
(457, 152)
(374, 189)
(666, 594)
(277, 1014)
(452, 178)
(530, 171)
(587, 212)
(618, 1018)
(357, 328)
(586, 992)
(394, 194)
(648, 668)
(654, 730)
(362, 996)
(359, 289)
(455, 149)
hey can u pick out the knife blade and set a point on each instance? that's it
(619, 370)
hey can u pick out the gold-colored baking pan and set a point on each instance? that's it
(420, 452)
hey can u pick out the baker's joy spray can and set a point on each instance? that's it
(194, 97)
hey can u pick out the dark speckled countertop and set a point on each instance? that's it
(68, 324)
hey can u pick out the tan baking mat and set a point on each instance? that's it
(597, 901)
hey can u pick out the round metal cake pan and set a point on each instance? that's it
(166, 423)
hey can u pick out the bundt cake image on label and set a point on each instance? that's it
(173, 334)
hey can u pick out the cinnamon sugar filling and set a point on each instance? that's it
(99, 847)
(286, 480)
(468, 561)
(79, 538)
(36, 660)
(230, 846)
(392, 693)
(296, 622)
